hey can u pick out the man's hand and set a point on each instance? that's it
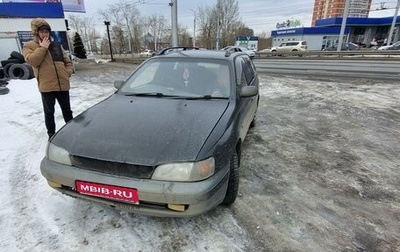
(45, 43)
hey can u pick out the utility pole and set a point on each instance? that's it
(218, 24)
(389, 39)
(194, 28)
(174, 20)
(343, 27)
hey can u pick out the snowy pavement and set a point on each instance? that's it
(320, 172)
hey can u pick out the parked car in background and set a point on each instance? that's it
(346, 46)
(265, 50)
(394, 46)
(291, 46)
(249, 52)
(147, 53)
(167, 143)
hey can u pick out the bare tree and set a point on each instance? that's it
(227, 12)
(125, 15)
(221, 21)
(157, 28)
(207, 27)
(83, 26)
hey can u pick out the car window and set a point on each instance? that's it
(246, 71)
(181, 78)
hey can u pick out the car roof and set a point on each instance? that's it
(203, 53)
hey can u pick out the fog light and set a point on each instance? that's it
(176, 207)
(53, 184)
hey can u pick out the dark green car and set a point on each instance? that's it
(167, 142)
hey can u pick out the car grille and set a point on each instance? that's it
(113, 168)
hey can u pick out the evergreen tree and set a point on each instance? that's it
(79, 49)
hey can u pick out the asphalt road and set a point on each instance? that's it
(350, 68)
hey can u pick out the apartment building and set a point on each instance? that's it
(324, 9)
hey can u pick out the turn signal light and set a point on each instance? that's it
(53, 184)
(177, 207)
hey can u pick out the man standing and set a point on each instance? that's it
(52, 68)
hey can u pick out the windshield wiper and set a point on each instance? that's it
(205, 97)
(156, 94)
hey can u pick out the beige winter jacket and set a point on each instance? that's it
(52, 66)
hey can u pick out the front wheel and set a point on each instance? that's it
(233, 184)
(253, 122)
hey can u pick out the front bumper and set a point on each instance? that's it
(154, 196)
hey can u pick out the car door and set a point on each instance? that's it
(292, 46)
(281, 48)
(247, 106)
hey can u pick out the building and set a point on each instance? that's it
(327, 22)
(317, 37)
(326, 32)
(325, 9)
(15, 24)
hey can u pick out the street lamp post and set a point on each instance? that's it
(107, 23)
(174, 20)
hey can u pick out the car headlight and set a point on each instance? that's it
(57, 154)
(190, 171)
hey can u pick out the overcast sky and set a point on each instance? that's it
(259, 15)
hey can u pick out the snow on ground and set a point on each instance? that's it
(34, 217)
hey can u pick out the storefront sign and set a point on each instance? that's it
(288, 24)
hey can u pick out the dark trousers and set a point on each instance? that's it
(49, 101)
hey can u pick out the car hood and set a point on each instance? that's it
(142, 130)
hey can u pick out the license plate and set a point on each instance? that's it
(130, 195)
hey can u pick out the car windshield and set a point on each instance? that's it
(183, 78)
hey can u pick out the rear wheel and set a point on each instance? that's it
(295, 50)
(233, 184)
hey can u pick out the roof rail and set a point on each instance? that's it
(174, 49)
(228, 53)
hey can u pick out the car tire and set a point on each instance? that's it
(233, 183)
(253, 122)
(30, 68)
(4, 90)
(18, 56)
(296, 51)
(19, 71)
(8, 61)
(6, 69)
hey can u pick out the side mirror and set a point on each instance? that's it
(249, 91)
(118, 84)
